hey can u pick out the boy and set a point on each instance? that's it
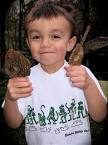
(56, 98)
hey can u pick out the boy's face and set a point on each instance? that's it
(49, 39)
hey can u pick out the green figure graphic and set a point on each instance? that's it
(71, 110)
(81, 110)
(42, 117)
(63, 114)
(30, 117)
(52, 115)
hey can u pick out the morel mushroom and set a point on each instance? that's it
(16, 64)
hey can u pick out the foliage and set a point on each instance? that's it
(104, 86)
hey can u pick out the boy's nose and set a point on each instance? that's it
(45, 42)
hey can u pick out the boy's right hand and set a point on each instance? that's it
(19, 87)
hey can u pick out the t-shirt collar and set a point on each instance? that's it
(55, 74)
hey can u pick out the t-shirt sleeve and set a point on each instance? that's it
(22, 106)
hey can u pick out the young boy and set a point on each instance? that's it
(56, 98)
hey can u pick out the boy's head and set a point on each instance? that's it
(49, 9)
(50, 29)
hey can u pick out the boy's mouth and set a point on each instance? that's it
(47, 52)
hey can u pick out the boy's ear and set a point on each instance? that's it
(72, 43)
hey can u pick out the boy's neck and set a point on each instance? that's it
(51, 69)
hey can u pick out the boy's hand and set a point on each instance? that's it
(18, 88)
(78, 76)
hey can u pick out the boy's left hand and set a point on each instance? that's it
(78, 76)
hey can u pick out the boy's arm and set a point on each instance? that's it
(83, 78)
(97, 105)
(11, 113)
(17, 88)
(17, 67)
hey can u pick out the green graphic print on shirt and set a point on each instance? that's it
(64, 114)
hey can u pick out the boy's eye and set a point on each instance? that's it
(56, 37)
(36, 37)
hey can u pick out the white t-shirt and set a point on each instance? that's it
(56, 113)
